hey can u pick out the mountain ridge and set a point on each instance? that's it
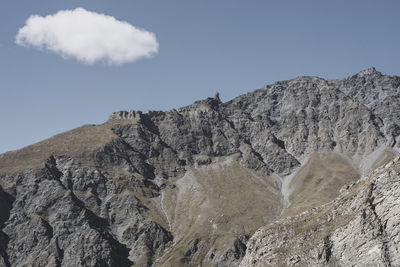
(190, 186)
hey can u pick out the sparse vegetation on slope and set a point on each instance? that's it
(188, 187)
(318, 181)
(72, 143)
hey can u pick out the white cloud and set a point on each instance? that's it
(88, 36)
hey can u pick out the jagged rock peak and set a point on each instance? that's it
(126, 115)
(369, 71)
(216, 97)
(189, 187)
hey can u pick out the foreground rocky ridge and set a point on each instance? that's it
(359, 228)
(190, 186)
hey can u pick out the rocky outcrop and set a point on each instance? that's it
(379, 93)
(126, 115)
(77, 217)
(189, 186)
(359, 228)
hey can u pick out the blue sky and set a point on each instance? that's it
(204, 46)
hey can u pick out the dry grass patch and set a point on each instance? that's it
(214, 203)
(319, 181)
(76, 143)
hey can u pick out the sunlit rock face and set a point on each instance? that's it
(359, 228)
(204, 184)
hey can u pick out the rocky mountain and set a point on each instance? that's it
(191, 187)
(359, 228)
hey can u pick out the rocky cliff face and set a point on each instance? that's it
(189, 187)
(359, 228)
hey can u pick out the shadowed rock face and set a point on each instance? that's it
(190, 186)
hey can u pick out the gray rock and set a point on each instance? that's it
(103, 205)
(359, 228)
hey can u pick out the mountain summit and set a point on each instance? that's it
(300, 168)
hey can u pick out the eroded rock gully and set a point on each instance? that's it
(202, 185)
